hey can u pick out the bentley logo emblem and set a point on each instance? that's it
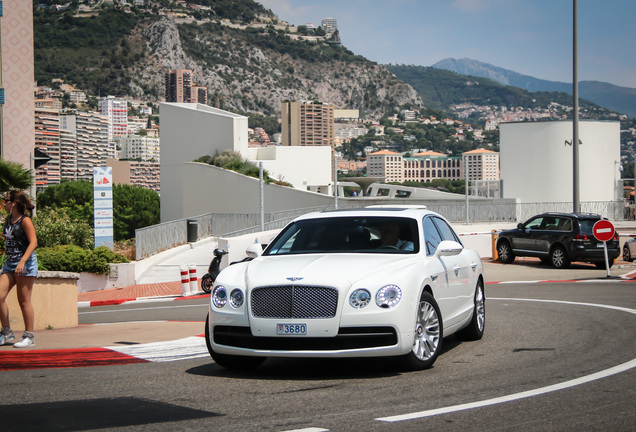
(294, 279)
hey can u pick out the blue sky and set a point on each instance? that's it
(532, 37)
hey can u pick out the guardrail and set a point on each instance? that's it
(156, 238)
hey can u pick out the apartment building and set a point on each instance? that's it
(481, 164)
(387, 164)
(116, 110)
(198, 94)
(142, 174)
(428, 166)
(307, 124)
(47, 140)
(144, 148)
(93, 146)
(68, 155)
(17, 131)
(178, 85)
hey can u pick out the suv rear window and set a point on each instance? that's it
(587, 224)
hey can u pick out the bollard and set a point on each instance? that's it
(185, 280)
(194, 288)
(495, 235)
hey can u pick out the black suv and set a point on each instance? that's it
(557, 239)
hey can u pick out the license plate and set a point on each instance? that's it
(291, 329)
(599, 245)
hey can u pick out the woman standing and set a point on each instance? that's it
(20, 269)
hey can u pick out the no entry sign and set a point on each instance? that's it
(603, 230)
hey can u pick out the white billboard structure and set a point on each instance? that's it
(536, 161)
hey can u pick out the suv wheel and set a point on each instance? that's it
(505, 253)
(559, 257)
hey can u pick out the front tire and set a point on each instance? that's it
(505, 252)
(627, 254)
(427, 341)
(230, 361)
(559, 257)
(206, 283)
(475, 330)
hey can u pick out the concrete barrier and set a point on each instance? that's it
(54, 301)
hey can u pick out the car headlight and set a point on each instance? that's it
(388, 296)
(219, 296)
(360, 298)
(236, 298)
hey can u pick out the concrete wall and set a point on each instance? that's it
(536, 165)
(189, 131)
(300, 166)
(54, 301)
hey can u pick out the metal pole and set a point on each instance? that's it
(335, 181)
(466, 187)
(576, 200)
(262, 195)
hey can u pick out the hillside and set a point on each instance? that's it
(441, 89)
(247, 59)
(615, 98)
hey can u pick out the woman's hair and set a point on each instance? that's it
(21, 200)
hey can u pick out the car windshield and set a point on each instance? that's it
(346, 235)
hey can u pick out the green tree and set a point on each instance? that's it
(133, 207)
(13, 176)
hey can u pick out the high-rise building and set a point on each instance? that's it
(199, 94)
(144, 148)
(68, 155)
(116, 110)
(47, 140)
(17, 131)
(178, 85)
(481, 164)
(93, 146)
(307, 124)
(329, 25)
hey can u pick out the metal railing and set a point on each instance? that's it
(156, 238)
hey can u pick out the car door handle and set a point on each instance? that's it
(456, 270)
(473, 266)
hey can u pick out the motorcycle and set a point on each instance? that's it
(213, 271)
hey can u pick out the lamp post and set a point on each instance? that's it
(576, 200)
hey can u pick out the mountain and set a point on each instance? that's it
(441, 89)
(248, 59)
(615, 98)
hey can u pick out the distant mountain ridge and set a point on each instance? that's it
(615, 98)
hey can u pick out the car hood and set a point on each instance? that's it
(338, 270)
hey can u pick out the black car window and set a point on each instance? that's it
(550, 223)
(432, 237)
(587, 225)
(445, 230)
(565, 224)
(535, 223)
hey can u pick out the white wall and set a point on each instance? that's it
(189, 131)
(300, 166)
(536, 165)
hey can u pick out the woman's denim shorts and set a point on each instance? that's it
(30, 267)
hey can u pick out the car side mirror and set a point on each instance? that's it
(520, 226)
(448, 248)
(254, 251)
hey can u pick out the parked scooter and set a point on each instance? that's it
(213, 271)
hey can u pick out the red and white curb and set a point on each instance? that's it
(192, 347)
(86, 304)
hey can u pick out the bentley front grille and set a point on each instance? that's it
(294, 302)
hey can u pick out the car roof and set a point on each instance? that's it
(578, 215)
(408, 211)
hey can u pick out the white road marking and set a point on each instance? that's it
(530, 393)
(180, 349)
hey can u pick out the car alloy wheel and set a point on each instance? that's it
(505, 253)
(559, 257)
(627, 255)
(427, 340)
(475, 329)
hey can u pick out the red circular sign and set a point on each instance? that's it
(603, 230)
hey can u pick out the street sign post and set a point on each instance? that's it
(604, 231)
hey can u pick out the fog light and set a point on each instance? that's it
(388, 296)
(360, 298)
(219, 296)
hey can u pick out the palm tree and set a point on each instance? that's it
(14, 176)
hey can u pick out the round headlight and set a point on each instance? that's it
(388, 296)
(360, 298)
(236, 298)
(219, 296)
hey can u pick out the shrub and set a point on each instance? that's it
(54, 227)
(71, 258)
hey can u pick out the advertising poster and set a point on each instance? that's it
(103, 206)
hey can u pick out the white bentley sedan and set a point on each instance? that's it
(378, 281)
